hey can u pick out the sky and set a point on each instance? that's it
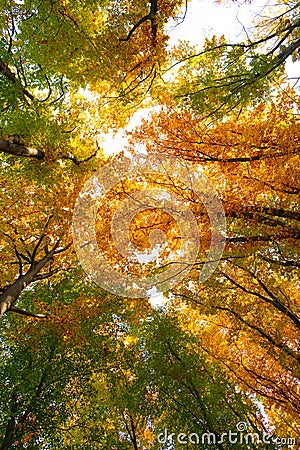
(206, 17)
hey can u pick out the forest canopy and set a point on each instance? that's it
(149, 297)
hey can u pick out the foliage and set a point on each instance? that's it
(85, 368)
(223, 76)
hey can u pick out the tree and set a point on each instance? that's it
(56, 57)
(252, 297)
(225, 76)
(109, 354)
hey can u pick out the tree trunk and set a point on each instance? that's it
(20, 150)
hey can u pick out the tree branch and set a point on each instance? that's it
(14, 290)
(12, 77)
(20, 150)
(150, 16)
(272, 300)
(27, 313)
(76, 161)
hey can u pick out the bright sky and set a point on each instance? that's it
(205, 18)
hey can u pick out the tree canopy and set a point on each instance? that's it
(148, 299)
